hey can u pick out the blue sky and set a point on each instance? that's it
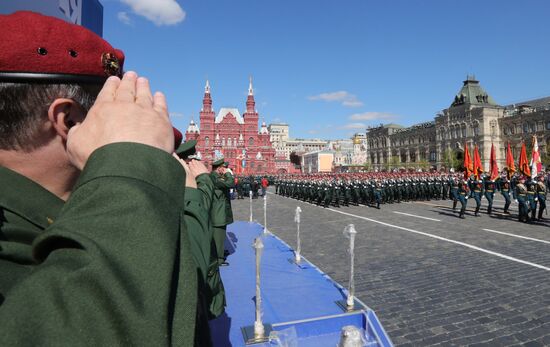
(330, 68)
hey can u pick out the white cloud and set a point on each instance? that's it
(123, 17)
(352, 103)
(347, 99)
(354, 126)
(160, 12)
(372, 116)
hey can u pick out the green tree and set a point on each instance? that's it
(423, 164)
(394, 162)
(450, 159)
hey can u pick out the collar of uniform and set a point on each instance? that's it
(28, 199)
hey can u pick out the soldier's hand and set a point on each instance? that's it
(189, 177)
(124, 111)
(197, 168)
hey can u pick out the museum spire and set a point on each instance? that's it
(207, 100)
(250, 102)
(250, 89)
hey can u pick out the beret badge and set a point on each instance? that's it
(111, 65)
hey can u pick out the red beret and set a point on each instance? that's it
(38, 48)
(178, 137)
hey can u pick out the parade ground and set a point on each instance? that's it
(432, 278)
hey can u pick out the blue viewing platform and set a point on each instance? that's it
(299, 302)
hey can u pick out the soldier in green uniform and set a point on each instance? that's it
(541, 194)
(454, 185)
(222, 214)
(531, 197)
(503, 185)
(438, 188)
(476, 187)
(239, 187)
(197, 203)
(93, 250)
(489, 186)
(463, 193)
(521, 194)
(199, 196)
(378, 191)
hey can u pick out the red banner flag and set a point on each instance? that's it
(536, 164)
(523, 162)
(493, 164)
(510, 161)
(478, 169)
(468, 165)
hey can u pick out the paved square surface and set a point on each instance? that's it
(432, 278)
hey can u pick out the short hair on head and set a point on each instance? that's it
(24, 107)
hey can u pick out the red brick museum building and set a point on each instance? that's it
(237, 138)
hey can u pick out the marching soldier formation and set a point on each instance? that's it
(381, 188)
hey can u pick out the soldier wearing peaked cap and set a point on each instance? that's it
(199, 194)
(222, 214)
(76, 211)
(476, 188)
(541, 194)
(504, 185)
(187, 150)
(463, 194)
(489, 187)
(531, 197)
(521, 194)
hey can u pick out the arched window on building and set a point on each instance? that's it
(251, 141)
(412, 155)
(475, 128)
(228, 142)
(548, 125)
(433, 156)
(207, 141)
(525, 128)
(463, 128)
(223, 141)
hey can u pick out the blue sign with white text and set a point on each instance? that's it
(88, 13)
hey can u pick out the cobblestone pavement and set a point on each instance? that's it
(441, 281)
